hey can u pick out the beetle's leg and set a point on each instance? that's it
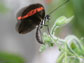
(38, 35)
(38, 31)
(48, 29)
(47, 18)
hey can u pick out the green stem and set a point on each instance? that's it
(65, 47)
(60, 59)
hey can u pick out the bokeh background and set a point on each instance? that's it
(14, 45)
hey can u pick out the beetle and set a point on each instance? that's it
(31, 17)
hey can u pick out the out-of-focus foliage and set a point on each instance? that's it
(73, 7)
(78, 25)
(10, 58)
(3, 8)
(64, 10)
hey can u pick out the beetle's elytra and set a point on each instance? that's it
(29, 17)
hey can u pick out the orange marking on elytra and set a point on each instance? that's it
(39, 9)
(19, 18)
(32, 12)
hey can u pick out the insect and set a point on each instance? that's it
(31, 17)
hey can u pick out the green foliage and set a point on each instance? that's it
(3, 8)
(78, 23)
(71, 47)
(10, 58)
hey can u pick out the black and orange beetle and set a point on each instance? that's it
(31, 17)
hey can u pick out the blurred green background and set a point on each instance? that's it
(78, 23)
(72, 8)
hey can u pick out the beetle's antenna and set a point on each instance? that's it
(58, 7)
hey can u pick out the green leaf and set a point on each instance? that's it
(10, 58)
